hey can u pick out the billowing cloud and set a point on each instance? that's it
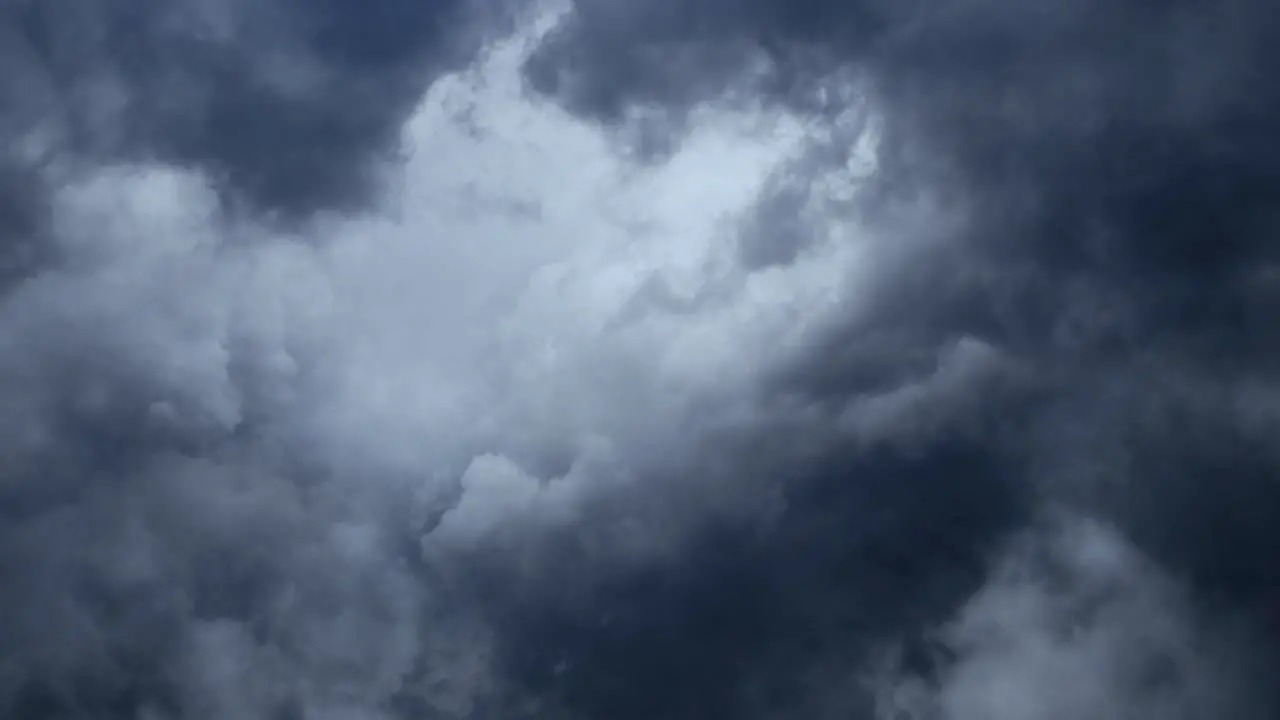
(1078, 202)
(649, 360)
(1075, 623)
(289, 107)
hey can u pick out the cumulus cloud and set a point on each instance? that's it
(247, 471)
(1076, 623)
(636, 360)
(289, 107)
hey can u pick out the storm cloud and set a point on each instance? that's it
(246, 91)
(638, 360)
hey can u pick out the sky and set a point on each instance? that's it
(622, 360)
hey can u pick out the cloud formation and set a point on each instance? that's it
(637, 360)
(289, 107)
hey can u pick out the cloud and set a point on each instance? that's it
(1074, 623)
(289, 107)
(1070, 232)
(256, 473)
(655, 360)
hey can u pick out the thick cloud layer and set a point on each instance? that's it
(1097, 182)
(247, 91)
(667, 360)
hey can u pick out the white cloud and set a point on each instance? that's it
(541, 319)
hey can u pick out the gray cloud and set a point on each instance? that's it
(780, 415)
(1076, 623)
(292, 107)
(1084, 190)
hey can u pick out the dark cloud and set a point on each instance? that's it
(555, 442)
(753, 616)
(1107, 177)
(292, 106)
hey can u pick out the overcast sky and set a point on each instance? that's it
(639, 359)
